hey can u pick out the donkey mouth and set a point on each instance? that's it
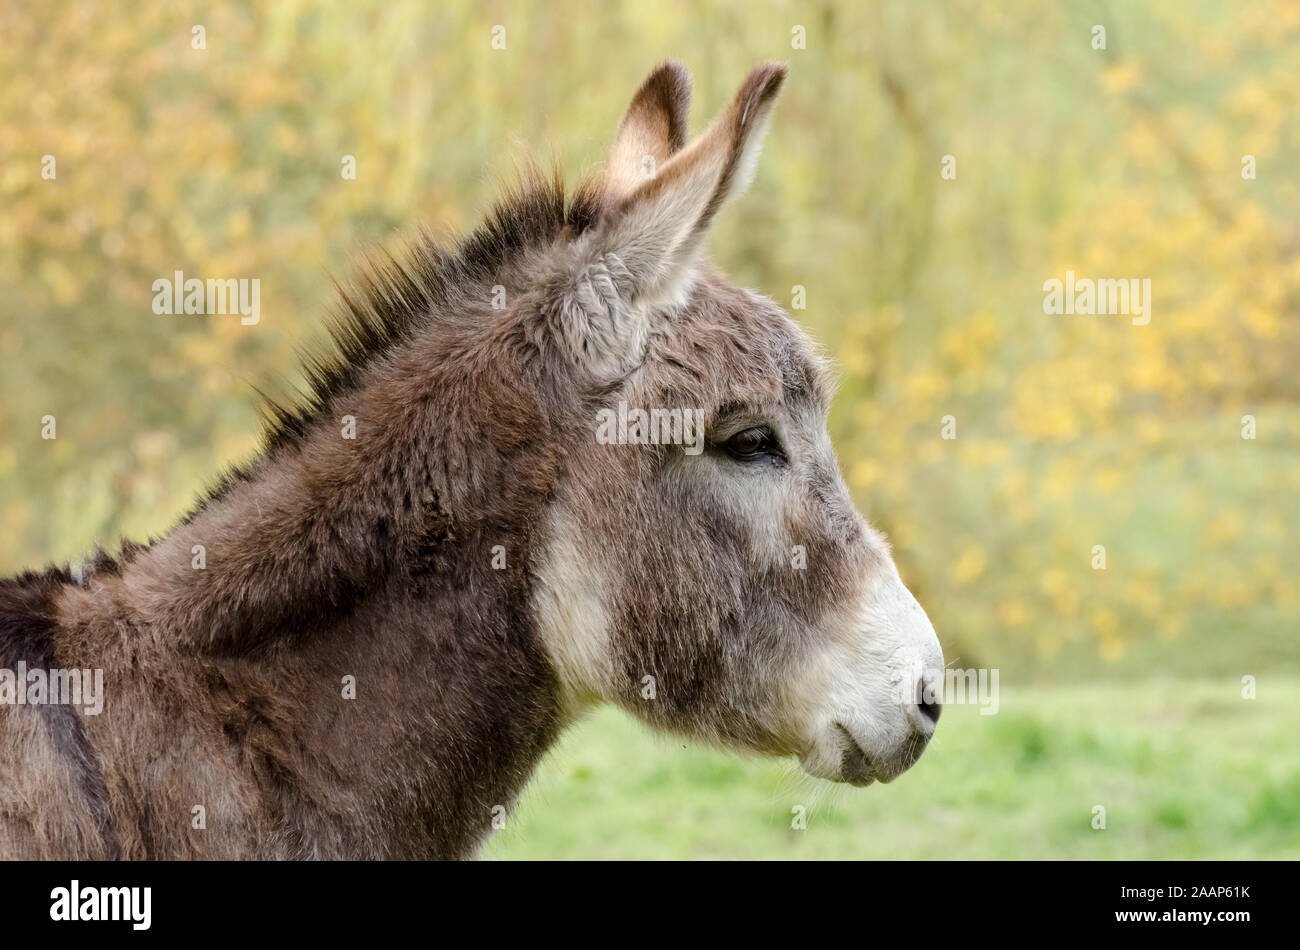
(856, 767)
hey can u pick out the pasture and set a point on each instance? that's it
(1185, 769)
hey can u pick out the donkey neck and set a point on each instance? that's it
(399, 565)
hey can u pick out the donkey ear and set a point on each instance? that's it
(655, 228)
(641, 252)
(653, 130)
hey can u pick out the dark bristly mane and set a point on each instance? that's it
(389, 294)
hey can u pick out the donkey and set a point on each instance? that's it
(360, 643)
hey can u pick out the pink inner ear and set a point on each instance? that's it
(659, 222)
(653, 129)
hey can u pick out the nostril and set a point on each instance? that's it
(929, 704)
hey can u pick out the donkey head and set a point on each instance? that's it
(704, 566)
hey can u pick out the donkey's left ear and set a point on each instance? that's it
(655, 226)
(653, 130)
(659, 201)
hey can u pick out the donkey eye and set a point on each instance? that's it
(750, 443)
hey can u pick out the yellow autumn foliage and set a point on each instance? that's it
(996, 443)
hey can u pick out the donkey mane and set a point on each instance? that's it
(389, 295)
(385, 297)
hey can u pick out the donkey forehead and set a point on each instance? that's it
(732, 348)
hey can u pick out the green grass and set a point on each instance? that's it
(1184, 769)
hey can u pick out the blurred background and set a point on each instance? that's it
(1120, 688)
